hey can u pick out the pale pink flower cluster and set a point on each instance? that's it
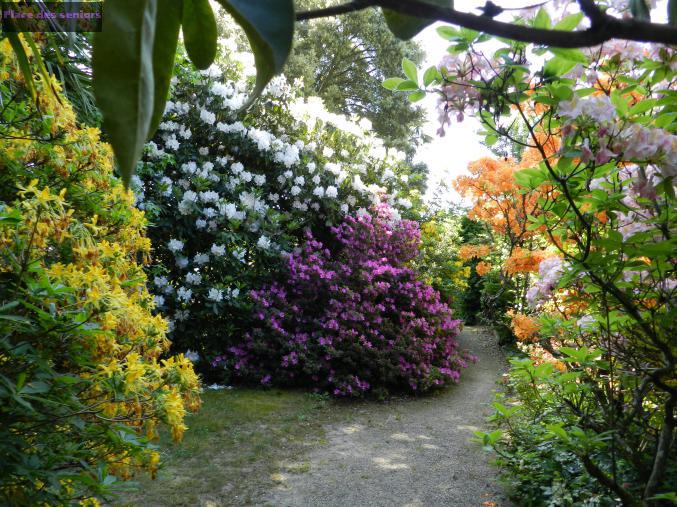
(638, 142)
(460, 93)
(598, 108)
(628, 141)
(550, 270)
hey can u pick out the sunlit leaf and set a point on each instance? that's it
(570, 22)
(409, 69)
(542, 19)
(416, 96)
(392, 83)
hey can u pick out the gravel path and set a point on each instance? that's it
(406, 453)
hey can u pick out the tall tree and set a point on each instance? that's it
(344, 60)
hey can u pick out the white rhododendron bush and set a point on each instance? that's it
(231, 195)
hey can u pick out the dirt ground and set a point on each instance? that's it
(413, 452)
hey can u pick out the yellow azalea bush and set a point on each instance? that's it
(84, 376)
(439, 262)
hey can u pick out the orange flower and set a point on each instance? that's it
(524, 327)
(522, 260)
(482, 268)
(467, 252)
(497, 199)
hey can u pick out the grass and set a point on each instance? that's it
(236, 446)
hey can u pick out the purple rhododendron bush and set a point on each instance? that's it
(352, 317)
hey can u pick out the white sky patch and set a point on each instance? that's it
(448, 157)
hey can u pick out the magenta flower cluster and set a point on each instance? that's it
(354, 318)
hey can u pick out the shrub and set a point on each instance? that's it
(439, 263)
(229, 194)
(82, 383)
(351, 317)
(595, 404)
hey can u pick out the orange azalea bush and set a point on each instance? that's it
(482, 268)
(497, 199)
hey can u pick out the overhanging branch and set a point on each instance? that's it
(604, 27)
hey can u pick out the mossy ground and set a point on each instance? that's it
(235, 448)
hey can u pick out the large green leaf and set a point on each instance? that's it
(410, 70)
(123, 77)
(640, 10)
(167, 28)
(405, 27)
(199, 32)
(570, 22)
(270, 35)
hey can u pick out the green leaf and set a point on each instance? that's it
(530, 178)
(619, 102)
(40, 64)
(167, 27)
(405, 27)
(640, 10)
(20, 380)
(448, 32)
(570, 22)
(431, 75)
(557, 66)
(199, 32)
(672, 12)
(416, 96)
(570, 54)
(67, 379)
(557, 429)
(642, 106)
(270, 36)
(409, 69)
(563, 92)
(672, 496)
(542, 19)
(37, 387)
(24, 64)
(407, 86)
(392, 83)
(123, 77)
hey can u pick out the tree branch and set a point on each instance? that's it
(355, 5)
(604, 27)
(664, 446)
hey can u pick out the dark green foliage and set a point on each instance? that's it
(497, 296)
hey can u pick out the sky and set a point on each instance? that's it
(448, 157)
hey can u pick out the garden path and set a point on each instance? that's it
(407, 453)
